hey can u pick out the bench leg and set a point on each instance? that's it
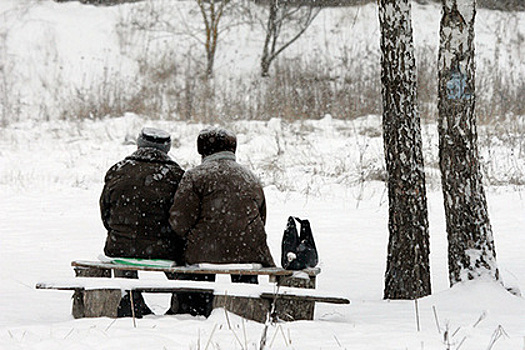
(254, 309)
(83, 301)
(78, 304)
(293, 310)
(92, 272)
(257, 309)
(290, 281)
(96, 303)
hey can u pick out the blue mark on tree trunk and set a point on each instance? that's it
(456, 86)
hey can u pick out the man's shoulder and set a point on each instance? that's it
(243, 169)
(153, 156)
(222, 168)
(117, 168)
(196, 171)
(175, 169)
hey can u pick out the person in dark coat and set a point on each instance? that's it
(135, 204)
(220, 207)
(220, 211)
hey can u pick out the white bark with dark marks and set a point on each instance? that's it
(471, 251)
(408, 271)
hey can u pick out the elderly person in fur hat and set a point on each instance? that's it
(135, 204)
(220, 210)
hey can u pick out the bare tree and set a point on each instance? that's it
(164, 19)
(211, 11)
(471, 248)
(408, 271)
(283, 15)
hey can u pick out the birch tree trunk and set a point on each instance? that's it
(471, 249)
(408, 271)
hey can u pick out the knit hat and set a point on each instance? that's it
(212, 140)
(154, 138)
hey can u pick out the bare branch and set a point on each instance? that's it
(297, 36)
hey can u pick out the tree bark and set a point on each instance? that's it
(266, 59)
(471, 248)
(211, 15)
(408, 270)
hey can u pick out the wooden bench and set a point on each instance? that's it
(288, 296)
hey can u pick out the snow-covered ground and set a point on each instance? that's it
(51, 175)
(51, 179)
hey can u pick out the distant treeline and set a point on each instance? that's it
(504, 5)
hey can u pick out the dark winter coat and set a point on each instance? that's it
(135, 204)
(220, 210)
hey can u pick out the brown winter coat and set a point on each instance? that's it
(135, 204)
(220, 210)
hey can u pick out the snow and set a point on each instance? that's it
(222, 286)
(50, 217)
(229, 266)
(51, 177)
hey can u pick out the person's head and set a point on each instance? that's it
(154, 138)
(212, 140)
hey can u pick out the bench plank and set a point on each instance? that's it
(156, 289)
(269, 271)
(315, 298)
(171, 286)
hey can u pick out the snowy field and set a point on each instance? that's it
(51, 179)
(51, 176)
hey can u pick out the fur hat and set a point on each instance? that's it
(212, 140)
(154, 138)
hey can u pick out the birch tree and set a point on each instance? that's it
(471, 248)
(408, 271)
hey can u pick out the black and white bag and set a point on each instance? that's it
(298, 251)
